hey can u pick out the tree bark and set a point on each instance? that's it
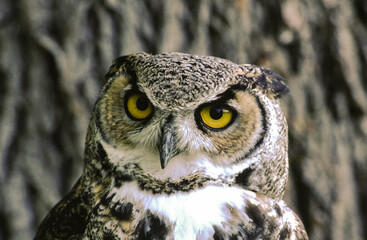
(54, 54)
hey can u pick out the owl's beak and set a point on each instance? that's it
(167, 148)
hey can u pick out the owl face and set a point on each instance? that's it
(175, 115)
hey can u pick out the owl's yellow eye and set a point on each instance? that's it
(138, 106)
(216, 117)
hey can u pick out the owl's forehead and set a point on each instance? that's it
(179, 81)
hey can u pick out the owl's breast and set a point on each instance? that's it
(197, 214)
(210, 212)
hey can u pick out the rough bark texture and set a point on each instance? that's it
(53, 56)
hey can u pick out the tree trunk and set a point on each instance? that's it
(54, 54)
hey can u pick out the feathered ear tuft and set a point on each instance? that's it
(116, 66)
(273, 82)
(265, 79)
(125, 64)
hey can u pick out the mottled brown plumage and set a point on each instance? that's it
(182, 147)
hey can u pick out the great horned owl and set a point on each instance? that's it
(182, 147)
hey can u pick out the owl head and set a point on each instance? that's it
(182, 118)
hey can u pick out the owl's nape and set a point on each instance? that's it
(182, 147)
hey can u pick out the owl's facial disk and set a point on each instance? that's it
(174, 115)
(230, 124)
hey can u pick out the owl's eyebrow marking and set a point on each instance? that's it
(222, 98)
(230, 93)
(133, 80)
(239, 86)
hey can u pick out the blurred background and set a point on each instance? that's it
(54, 54)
